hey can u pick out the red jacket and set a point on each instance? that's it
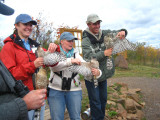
(18, 60)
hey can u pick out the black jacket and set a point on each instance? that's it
(12, 107)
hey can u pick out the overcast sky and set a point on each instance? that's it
(140, 17)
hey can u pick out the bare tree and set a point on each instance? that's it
(43, 32)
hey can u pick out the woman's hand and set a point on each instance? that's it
(38, 62)
(52, 47)
(95, 72)
(76, 61)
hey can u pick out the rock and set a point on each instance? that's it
(121, 62)
(124, 101)
(133, 96)
(132, 117)
(140, 114)
(122, 96)
(111, 102)
(135, 90)
(119, 118)
(143, 104)
(115, 95)
(124, 87)
(121, 111)
(129, 105)
(113, 108)
(138, 106)
(121, 101)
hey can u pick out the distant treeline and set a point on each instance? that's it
(144, 55)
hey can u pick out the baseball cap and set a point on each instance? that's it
(93, 18)
(67, 36)
(25, 18)
(5, 10)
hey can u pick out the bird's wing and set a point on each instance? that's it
(81, 69)
(53, 58)
(122, 45)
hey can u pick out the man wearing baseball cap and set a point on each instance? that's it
(93, 47)
(93, 18)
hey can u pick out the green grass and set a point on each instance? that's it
(143, 119)
(85, 102)
(112, 113)
(138, 71)
(109, 90)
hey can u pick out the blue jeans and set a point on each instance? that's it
(58, 100)
(31, 113)
(97, 99)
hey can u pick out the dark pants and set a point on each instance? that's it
(97, 99)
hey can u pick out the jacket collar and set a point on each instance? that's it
(92, 37)
(99, 34)
(16, 39)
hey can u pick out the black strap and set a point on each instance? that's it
(73, 75)
(60, 75)
(74, 55)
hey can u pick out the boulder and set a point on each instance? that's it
(121, 62)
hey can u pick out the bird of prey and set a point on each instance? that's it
(41, 80)
(85, 70)
(111, 40)
(118, 45)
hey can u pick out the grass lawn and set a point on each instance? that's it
(138, 71)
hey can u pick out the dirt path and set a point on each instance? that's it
(151, 91)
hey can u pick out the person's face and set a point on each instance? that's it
(24, 29)
(67, 45)
(94, 27)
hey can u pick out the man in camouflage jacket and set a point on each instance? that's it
(94, 47)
